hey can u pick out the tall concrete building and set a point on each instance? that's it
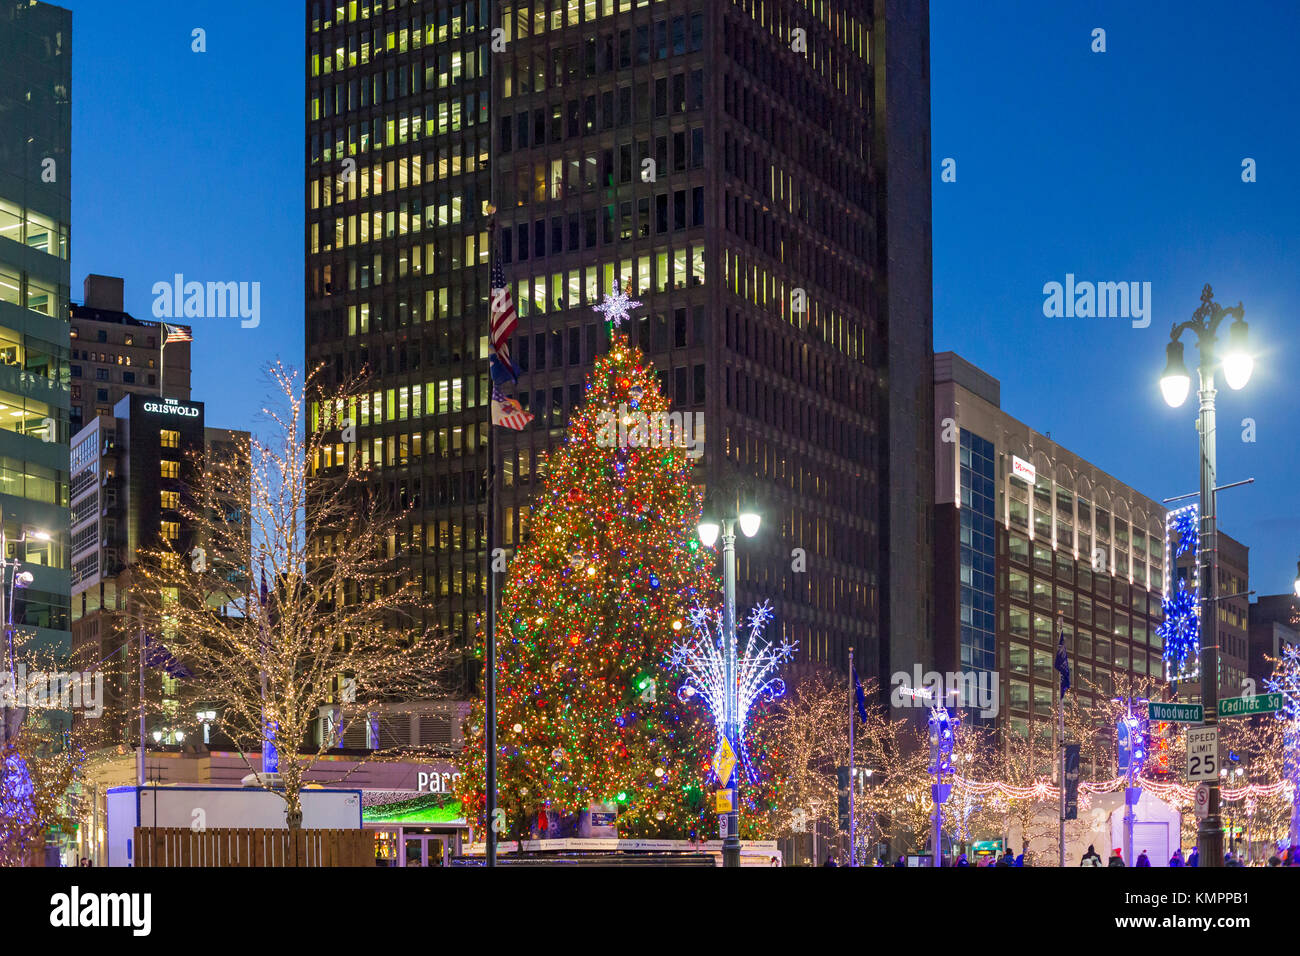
(116, 354)
(35, 211)
(133, 475)
(756, 172)
(1274, 623)
(1026, 530)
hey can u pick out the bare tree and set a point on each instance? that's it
(313, 613)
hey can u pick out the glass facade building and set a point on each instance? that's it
(35, 210)
(978, 555)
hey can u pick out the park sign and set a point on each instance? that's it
(1254, 704)
(1176, 713)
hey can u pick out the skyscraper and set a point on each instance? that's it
(747, 169)
(35, 209)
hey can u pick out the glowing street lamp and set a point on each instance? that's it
(1237, 365)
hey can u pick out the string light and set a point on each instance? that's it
(581, 646)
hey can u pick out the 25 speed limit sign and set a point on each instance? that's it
(1203, 753)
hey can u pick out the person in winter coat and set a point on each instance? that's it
(962, 861)
(1116, 858)
(830, 860)
(1091, 858)
(1194, 858)
(1008, 859)
(1143, 859)
(1177, 858)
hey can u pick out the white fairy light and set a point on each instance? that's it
(704, 659)
(616, 305)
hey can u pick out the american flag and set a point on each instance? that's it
(504, 319)
(176, 333)
(507, 411)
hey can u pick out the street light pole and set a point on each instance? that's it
(11, 717)
(731, 842)
(708, 528)
(1237, 366)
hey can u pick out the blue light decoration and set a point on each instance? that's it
(1131, 743)
(943, 736)
(17, 800)
(704, 659)
(1181, 629)
(1286, 681)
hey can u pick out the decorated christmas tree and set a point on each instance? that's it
(595, 599)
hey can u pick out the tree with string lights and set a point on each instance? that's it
(601, 589)
(339, 627)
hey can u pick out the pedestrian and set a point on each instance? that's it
(1116, 858)
(1091, 858)
(1008, 859)
(962, 861)
(1194, 858)
(1177, 858)
(901, 861)
(1143, 859)
(1274, 861)
(830, 860)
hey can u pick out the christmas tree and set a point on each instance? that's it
(594, 600)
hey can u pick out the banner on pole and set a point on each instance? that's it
(1071, 782)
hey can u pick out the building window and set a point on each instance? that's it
(171, 500)
(169, 469)
(169, 439)
(170, 530)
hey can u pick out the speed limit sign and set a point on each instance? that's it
(1203, 753)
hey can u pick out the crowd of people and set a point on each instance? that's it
(1289, 856)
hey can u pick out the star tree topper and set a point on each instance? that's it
(617, 305)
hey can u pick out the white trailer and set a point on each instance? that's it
(213, 807)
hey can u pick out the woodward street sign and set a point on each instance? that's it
(1255, 704)
(1176, 713)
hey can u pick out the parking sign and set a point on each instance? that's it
(1203, 753)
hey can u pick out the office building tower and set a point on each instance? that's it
(756, 173)
(35, 211)
(116, 354)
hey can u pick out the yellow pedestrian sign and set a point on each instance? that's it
(724, 762)
(722, 802)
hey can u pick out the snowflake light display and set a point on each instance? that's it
(1181, 629)
(617, 305)
(704, 659)
(1286, 681)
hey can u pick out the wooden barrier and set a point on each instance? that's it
(181, 846)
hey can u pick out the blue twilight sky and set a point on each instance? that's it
(1123, 165)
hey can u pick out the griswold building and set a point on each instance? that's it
(133, 475)
(755, 172)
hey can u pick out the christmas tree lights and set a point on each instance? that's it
(593, 602)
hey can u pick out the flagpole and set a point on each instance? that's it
(1060, 723)
(139, 760)
(853, 829)
(490, 657)
(162, 357)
